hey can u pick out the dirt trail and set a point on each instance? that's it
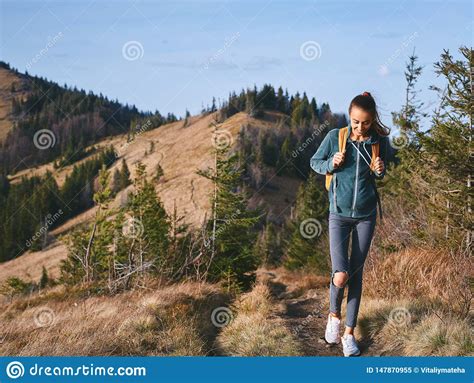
(305, 315)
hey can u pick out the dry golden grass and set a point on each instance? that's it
(303, 279)
(253, 331)
(413, 328)
(438, 275)
(174, 320)
(296, 282)
(440, 337)
(29, 265)
(417, 301)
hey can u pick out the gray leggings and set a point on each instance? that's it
(340, 229)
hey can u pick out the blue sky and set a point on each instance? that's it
(173, 55)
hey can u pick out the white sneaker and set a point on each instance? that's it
(332, 334)
(349, 345)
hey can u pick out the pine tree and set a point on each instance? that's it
(159, 172)
(408, 119)
(405, 179)
(124, 175)
(44, 281)
(281, 101)
(116, 182)
(146, 210)
(448, 148)
(434, 169)
(87, 261)
(268, 247)
(285, 160)
(304, 249)
(230, 229)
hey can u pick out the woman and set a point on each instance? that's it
(352, 209)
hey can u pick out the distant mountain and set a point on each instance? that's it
(41, 121)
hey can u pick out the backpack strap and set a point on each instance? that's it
(342, 140)
(375, 154)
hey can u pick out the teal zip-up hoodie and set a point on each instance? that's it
(352, 190)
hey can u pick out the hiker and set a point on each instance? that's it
(351, 158)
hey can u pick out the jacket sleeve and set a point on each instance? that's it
(321, 162)
(384, 154)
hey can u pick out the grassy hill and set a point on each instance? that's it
(181, 151)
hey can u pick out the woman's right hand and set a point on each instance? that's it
(338, 159)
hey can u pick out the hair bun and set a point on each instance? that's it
(366, 94)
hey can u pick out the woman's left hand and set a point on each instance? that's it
(379, 166)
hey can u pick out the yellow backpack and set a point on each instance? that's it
(342, 148)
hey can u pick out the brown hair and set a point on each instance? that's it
(366, 102)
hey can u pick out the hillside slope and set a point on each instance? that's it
(181, 151)
(11, 85)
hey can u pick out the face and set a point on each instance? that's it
(360, 121)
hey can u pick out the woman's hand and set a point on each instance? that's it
(379, 165)
(338, 159)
